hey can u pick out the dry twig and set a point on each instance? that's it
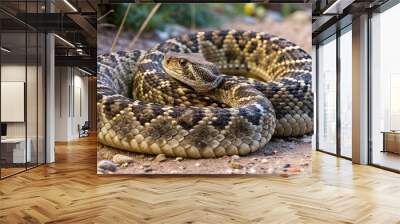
(120, 28)
(146, 21)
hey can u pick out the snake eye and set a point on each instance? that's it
(182, 62)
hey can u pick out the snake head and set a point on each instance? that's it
(193, 70)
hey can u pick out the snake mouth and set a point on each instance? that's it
(200, 76)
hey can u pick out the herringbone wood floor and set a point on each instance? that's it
(69, 191)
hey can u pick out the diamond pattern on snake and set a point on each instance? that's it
(206, 94)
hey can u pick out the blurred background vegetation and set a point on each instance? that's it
(200, 15)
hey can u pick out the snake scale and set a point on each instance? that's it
(205, 94)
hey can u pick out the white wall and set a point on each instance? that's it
(71, 102)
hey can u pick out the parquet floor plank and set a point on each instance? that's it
(70, 191)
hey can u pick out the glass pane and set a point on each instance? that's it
(385, 84)
(32, 96)
(13, 87)
(346, 94)
(41, 98)
(327, 96)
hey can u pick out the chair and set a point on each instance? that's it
(84, 130)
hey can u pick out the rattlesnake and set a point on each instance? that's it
(237, 89)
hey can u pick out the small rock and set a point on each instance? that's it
(182, 168)
(121, 159)
(146, 165)
(147, 169)
(284, 175)
(254, 159)
(252, 170)
(160, 158)
(236, 171)
(235, 158)
(235, 165)
(197, 164)
(306, 140)
(305, 164)
(294, 170)
(286, 165)
(264, 161)
(274, 152)
(173, 172)
(107, 165)
(178, 159)
(229, 171)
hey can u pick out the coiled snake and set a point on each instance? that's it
(203, 95)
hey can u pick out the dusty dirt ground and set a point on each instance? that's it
(284, 157)
(280, 157)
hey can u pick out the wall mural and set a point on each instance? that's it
(204, 89)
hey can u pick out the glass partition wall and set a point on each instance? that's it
(385, 89)
(22, 77)
(327, 95)
(334, 94)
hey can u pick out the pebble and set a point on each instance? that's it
(107, 165)
(284, 175)
(306, 140)
(294, 170)
(160, 158)
(264, 160)
(147, 169)
(229, 171)
(235, 158)
(173, 172)
(197, 164)
(121, 159)
(178, 159)
(235, 165)
(286, 165)
(182, 168)
(252, 170)
(236, 171)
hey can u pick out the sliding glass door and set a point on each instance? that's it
(346, 95)
(327, 95)
(334, 97)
